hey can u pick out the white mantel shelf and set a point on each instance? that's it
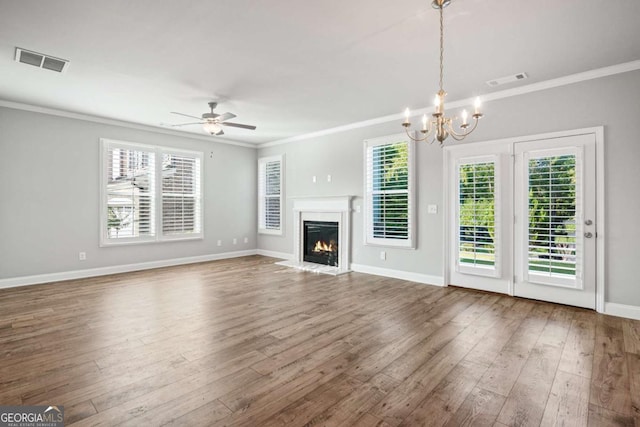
(322, 204)
(337, 209)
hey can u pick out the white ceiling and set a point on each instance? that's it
(292, 67)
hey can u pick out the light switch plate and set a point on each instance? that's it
(432, 209)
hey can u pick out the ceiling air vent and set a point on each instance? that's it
(508, 79)
(41, 60)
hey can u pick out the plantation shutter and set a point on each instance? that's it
(554, 205)
(129, 193)
(478, 218)
(389, 194)
(270, 193)
(181, 196)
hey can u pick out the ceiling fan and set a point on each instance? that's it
(212, 122)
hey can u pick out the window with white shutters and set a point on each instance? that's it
(389, 191)
(149, 193)
(477, 217)
(129, 193)
(270, 179)
(180, 194)
(553, 211)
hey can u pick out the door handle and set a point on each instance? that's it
(588, 222)
(588, 235)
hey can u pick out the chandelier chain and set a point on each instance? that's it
(441, 47)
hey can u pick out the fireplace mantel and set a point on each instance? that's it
(322, 204)
(336, 208)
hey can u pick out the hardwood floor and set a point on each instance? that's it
(244, 342)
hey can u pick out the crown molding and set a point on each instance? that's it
(119, 123)
(493, 96)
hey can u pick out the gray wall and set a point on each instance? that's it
(612, 102)
(49, 196)
(341, 156)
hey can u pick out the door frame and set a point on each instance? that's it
(449, 193)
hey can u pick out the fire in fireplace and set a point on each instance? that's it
(320, 243)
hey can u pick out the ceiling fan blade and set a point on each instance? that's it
(238, 125)
(225, 116)
(185, 124)
(186, 115)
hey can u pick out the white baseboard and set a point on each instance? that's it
(274, 254)
(399, 274)
(103, 271)
(622, 310)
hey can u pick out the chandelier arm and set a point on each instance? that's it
(414, 138)
(425, 132)
(467, 131)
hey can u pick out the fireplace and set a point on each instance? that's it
(320, 242)
(321, 235)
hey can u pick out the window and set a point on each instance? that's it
(554, 207)
(477, 218)
(149, 193)
(180, 194)
(389, 191)
(270, 172)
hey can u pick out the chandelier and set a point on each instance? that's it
(440, 126)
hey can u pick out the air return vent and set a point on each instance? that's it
(508, 79)
(41, 60)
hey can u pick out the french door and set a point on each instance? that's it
(555, 216)
(524, 218)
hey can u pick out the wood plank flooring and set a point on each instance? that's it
(244, 342)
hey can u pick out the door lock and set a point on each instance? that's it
(588, 235)
(588, 222)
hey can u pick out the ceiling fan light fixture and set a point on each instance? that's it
(211, 122)
(212, 128)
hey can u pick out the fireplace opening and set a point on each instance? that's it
(320, 244)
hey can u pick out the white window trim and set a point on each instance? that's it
(157, 151)
(496, 270)
(369, 240)
(262, 161)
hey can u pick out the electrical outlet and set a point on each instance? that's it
(235, 241)
(358, 209)
(328, 178)
(383, 255)
(246, 240)
(313, 179)
(432, 209)
(219, 242)
(82, 256)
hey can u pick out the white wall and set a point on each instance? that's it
(49, 196)
(611, 101)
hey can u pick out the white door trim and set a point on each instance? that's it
(598, 133)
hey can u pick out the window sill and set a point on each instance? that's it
(392, 245)
(107, 244)
(270, 232)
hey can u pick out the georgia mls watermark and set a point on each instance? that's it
(31, 416)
